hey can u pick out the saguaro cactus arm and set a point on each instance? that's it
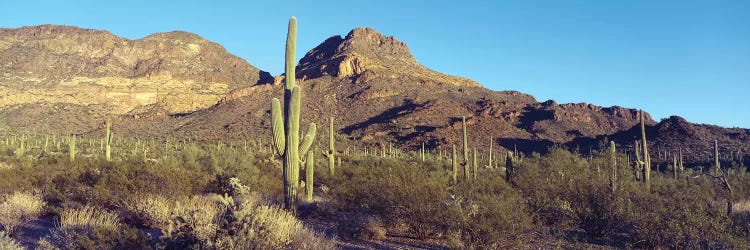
(279, 137)
(308, 139)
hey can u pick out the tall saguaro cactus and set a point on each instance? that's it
(474, 164)
(717, 164)
(286, 128)
(509, 171)
(454, 165)
(331, 149)
(646, 157)
(466, 148)
(613, 166)
(72, 148)
(108, 142)
(422, 153)
(489, 161)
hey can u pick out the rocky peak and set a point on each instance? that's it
(376, 46)
(676, 125)
(366, 50)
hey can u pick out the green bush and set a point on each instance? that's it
(488, 213)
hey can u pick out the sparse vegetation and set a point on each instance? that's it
(166, 193)
(17, 208)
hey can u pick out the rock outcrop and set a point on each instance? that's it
(179, 71)
(363, 50)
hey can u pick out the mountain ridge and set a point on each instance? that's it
(371, 83)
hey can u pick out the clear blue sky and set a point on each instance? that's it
(690, 58)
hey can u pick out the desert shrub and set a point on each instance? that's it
(398, 192)
(89, 217)
(246, 225)
(360, 226)
(91, 227)
(678, 215)
(487, 213)
(201, 213)
(568, 193)
(18, 208)
(7, 243)
(151, 210)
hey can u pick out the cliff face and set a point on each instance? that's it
(178, 71)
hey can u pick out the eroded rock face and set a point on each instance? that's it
(178, 71)
(366, 50)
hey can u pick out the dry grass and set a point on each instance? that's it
(741, 206)
(202, 212)
(89, 217)
(7, 243)
(155, 210)
(6, 166)
(270, 227)
(19, 208)
(274, 225)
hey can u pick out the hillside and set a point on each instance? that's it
(62, 79)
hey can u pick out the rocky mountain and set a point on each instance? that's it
(379, 93)
(178, 71)
(65, 80)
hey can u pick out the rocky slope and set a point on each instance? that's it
(65, 80)
(179, 71)
(379, 93)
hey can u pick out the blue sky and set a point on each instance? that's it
(689, 58)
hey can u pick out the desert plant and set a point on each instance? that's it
(465, 140)
(489, 159)
(646, 157)
(309, 175)
(18, 208)
(89, 217)
(286, 135)
(21, 148)
(72, 148)
(613, 166)
(153, 210)
(454, 166)
(331, 148)
(488, 214)
(246, 225)
(90, 227)
(7, 243)
(509, 168)
(474, 163)
(108, 142)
